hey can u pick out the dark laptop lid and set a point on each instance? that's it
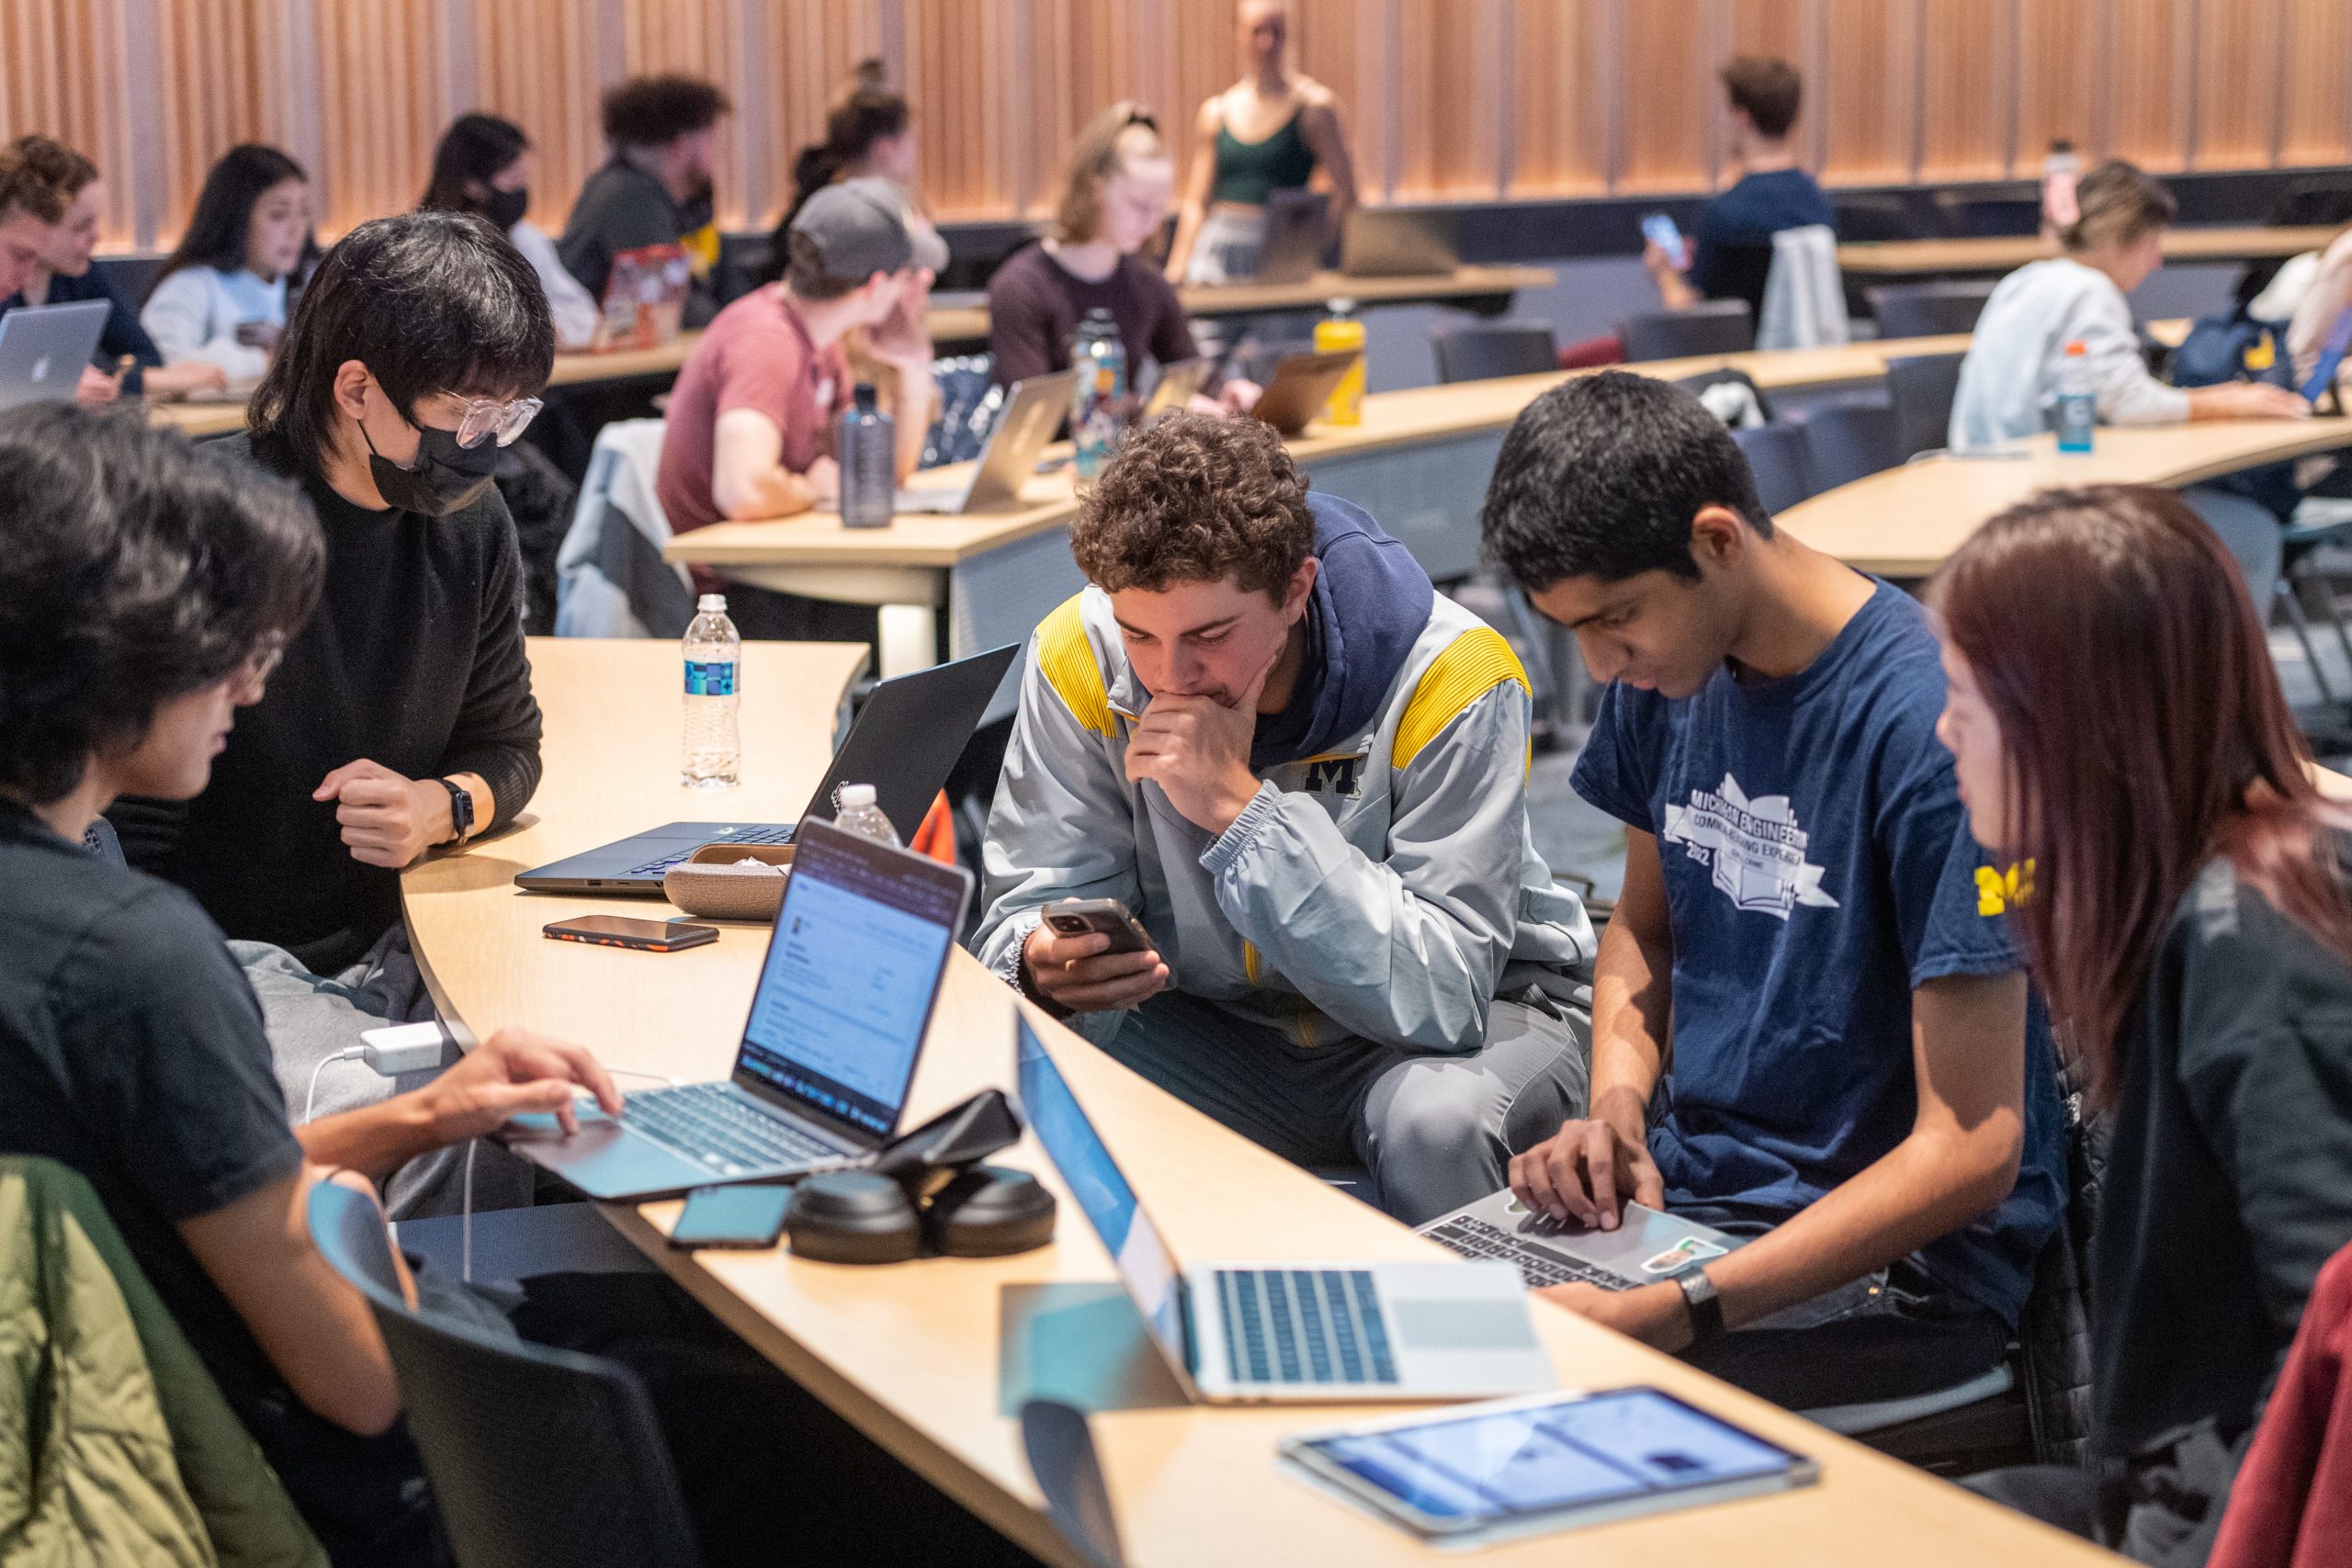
(907, 736)
(850, 980)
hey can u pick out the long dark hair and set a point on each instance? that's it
(864, 113)
(224, 211)
(2113, 639)
(475, 149)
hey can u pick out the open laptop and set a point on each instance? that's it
(43, 348)
(1033, 411)
(837, 1025)
(2320, 383)
(1258, 1331)
(1302, 384)
(1298, 225)
(1399, 242)
(1645, 1247)
(1176, 385)
(905, 743)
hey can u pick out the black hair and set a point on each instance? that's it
(224, 211)
(653, 111)
(138, 568)
(865, 112)
(475, 149)
(430, 303)
(1601, 476)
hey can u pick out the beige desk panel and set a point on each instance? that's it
(1920, 257)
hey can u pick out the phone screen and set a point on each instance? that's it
(1659, 230)
(732, 1216)
(1576, 1452)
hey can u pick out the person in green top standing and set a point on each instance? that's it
(1274, 129)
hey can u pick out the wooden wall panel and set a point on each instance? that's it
(214, 93)
(1866, 100)
(535, 62)
(1966, 89)
(2057, 99)
(2149, 45)
(62, 73)
(382, 104)
(1665, 130)
(813, 45)
(1561, 97)
(1453, 97)
(964, 72)
(2237, 64)
(2315, 109)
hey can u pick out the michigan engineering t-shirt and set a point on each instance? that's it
(1818, 868)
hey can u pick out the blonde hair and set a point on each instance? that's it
(2117, 203)
(1099, 154)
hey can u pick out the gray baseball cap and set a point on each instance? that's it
(863, 226)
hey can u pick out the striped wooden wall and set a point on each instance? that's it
(1474, 99)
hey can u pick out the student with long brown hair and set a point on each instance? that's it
(2120, 735)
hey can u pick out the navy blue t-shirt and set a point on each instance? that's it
(1748, 215)
(1818, 869)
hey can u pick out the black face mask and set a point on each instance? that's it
(505, 208)
(445, 478)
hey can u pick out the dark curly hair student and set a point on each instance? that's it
(1192, 497)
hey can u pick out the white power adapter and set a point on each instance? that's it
(406, 1048)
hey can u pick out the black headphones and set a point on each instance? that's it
(927, 1192)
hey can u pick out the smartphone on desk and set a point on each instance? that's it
(749, 1218)
(645, 936)
(1077, 917)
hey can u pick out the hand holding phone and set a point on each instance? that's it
(1091, 955)
(745, 1218)
(1077, 917)
(645, 936)
(1658, 230)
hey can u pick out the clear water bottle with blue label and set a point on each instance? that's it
(867, 450)
(2077, 400)
(1098, 403)
(714, 751)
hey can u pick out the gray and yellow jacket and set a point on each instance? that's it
(1382, 884)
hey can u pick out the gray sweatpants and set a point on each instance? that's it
(1437, 1131)
(311, 1018)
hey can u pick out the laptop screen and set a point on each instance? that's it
(1093, 1178)
(851, 973)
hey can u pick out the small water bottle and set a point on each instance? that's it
(1098, 400)
(866, 444)
(713, 752)
(855, 811)
(2078, 403)
(2061, 171)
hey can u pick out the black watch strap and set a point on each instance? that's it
(1706, 1307)
(461, 810)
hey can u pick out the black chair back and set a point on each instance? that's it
(2004, 212)
(1488, 349)
(1062, 1458)
(1928, 310)
(133, 277)
(1776, 454)
(1864, 219)
(1844, 442)
(537, 1457)
(1923, 386)
(2322, 201)
(1713, 326)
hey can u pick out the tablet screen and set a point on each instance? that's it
(1608, 1448)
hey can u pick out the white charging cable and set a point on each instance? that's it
(312, 1099)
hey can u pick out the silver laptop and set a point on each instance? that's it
(1399, 242)
(829, 1051)
(1033, 411)
(1305, 1332)
(1176, 387)
(43, 348)
(1646, 1246)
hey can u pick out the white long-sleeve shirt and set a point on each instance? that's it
(573, 307)
(2009, 383)
(195, 312)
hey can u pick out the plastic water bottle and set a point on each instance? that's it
(855, 811)
(1099, 399)
(867, 442)
(2078, 403)
(2060, 171)
(1339, 332)
(713, 752)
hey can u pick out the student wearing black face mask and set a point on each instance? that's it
(483, 166)
(402, 717)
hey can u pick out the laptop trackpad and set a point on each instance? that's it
(1454, 1324)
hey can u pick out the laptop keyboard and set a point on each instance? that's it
(780, 835)
(1303, 1326)
(712, 1125)
(1476, 1238)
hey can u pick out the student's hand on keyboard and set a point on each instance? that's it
(1583, 1174)
(1655, 1314)
(1073, 972)
(508, 1075)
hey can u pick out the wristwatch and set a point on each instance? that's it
(461, 810)
(1706, 1307)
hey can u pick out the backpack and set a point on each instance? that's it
(2238, 346)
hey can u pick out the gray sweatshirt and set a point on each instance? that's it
(2009, 383)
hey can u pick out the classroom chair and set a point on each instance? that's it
(2316, 523)
(1713, 326)
(1060, 1446)
(1776, 452)
(1849, 441)
(1866, 220)
(538, 1458)
(1927, 310)
(1486, 350)
(1996, 212)
(1804, 294)
(610, 578)
(1922, 388)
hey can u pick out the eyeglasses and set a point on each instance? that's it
(255, 671)
(487, 417)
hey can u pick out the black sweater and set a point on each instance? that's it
(414, 660)
(2230, 1178)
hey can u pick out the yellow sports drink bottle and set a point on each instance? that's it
(1341, 332)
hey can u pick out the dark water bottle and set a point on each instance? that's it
(867, 449)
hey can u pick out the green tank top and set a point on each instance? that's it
(1248, 172)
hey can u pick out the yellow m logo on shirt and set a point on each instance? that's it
(1996, 890)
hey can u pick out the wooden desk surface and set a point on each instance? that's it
(913, 1353)
(1918, 257)
(1903, 523)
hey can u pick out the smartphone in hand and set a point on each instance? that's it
(1077, 917)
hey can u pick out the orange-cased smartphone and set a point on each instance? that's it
(646, 936)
